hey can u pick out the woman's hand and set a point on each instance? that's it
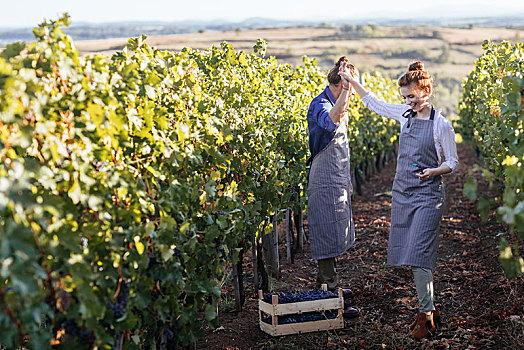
(427, 173)
(345, 73)
(347, 77)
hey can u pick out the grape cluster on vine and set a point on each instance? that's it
(119, 307)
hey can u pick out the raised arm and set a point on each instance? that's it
(388, 110)
(361, 91)
(341, 105)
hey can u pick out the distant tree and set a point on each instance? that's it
(445, 56)
(437, 34)
(347, 28)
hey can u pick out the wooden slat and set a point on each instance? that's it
(269, 329)
(265, 307)
(303, 327)
(309, 306)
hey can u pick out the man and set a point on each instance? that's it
(331, 226)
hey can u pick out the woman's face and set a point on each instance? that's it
(415, 97)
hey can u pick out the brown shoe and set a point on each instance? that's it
(436, 320)
(424, 325)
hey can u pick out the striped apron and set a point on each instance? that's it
(330, 220)
(416, 207)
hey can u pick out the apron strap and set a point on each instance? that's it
(410, 114)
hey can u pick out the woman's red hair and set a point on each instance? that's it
(418, 76)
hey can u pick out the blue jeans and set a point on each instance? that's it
(424, 282)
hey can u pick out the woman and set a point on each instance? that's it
(330, 221)
(418, 191)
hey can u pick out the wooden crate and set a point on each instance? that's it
(275, 309)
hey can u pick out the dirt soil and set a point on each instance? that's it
(480, 308)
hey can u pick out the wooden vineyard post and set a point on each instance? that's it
(267, 244)
(380, 161)
(238, 282)
(275, 247)
(356, 180)
(301, 235)
(288, 235)
(270, 245)
(261, 253)
(238, 304)
(255, 261)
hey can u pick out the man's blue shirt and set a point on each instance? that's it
(321, 127)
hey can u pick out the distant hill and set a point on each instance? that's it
(88, 31)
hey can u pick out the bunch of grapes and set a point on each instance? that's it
(72, 329)
(119, 308)
(295, 296)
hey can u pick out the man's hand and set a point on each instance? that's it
(345, 73)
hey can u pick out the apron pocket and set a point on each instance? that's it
(342, 203)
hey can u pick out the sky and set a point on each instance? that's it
(29, 13)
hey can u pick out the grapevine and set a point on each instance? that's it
(492, 116)
(127, 182)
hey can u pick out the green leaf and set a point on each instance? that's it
(470, 188)
(150, 91)
(512, 265)
(483, 208)
(75, 192)
(139, 245)
(210, 313)
(13, 50)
